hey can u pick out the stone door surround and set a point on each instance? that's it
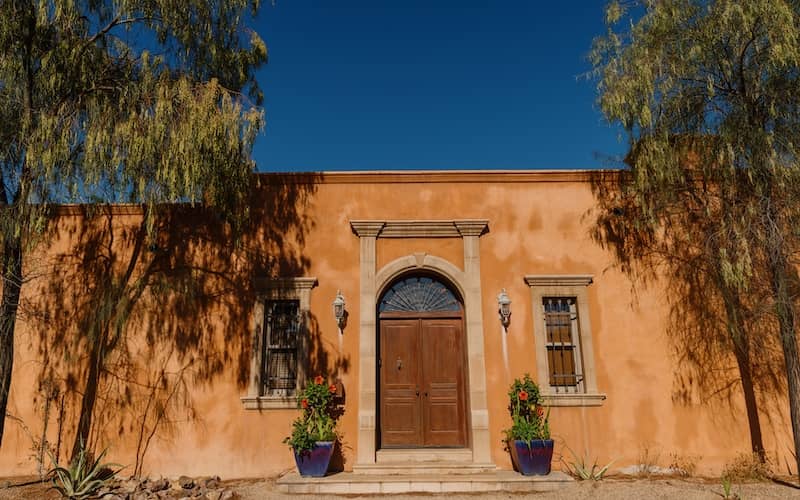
(468, 283)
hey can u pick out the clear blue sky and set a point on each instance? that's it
(431, 84)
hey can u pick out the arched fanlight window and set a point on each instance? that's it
(419, 294)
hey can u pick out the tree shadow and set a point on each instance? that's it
(716, 331)
(130, 318)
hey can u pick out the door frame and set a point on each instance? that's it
(463, 375)
(465, 277)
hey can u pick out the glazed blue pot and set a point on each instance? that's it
(532, 459)
(314, 462)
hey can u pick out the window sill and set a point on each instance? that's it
(575, 399)
(269, 402)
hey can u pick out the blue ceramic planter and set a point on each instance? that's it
(314, 462)
(532, 459)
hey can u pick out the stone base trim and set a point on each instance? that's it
(350, 483)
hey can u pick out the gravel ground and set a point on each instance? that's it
(610, 488)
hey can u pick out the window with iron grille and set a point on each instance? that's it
(563, 343)
(279, 356)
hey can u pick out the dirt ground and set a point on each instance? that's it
(607, 489)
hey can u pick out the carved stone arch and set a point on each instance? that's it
(419, 262)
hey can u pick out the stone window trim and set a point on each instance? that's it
(277, 289)
(564, 285)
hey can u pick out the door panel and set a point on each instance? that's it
(401, 415)
(443, 385)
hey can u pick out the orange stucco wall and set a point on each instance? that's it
(538, 224)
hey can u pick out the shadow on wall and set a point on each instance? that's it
(129, 322)
(723, 340)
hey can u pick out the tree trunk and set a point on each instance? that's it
(784, 308)
(735, 310)
(12, 285)
(742, 353)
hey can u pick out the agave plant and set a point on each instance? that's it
(83, 477)
(580, 468)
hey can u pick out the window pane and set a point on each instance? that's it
(280, 346)
(558, 319)
(560, 314)
(282, 370)
(562, 366)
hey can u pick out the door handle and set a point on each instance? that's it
(417, 390)
(399, 364)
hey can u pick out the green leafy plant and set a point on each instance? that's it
(579, 468)
(318, 419)
(528, 419)
(83, 477)
(727, 484)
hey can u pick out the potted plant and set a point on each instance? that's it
(528, 439)
(314, 431)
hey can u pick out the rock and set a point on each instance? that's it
(129, 486)
(140, 495)
(186, 483)
(228, 495)
(5, 484)
(112, 496)
(158, 485)
(214, 494)
(209, 482)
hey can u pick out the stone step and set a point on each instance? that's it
(350, 483)
(420, 467)
(424, 455)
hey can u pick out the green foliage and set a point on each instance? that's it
(727, 485)
(83, 477)
(319, 416)
(121, 101)
(708, 92)
(579, 468)
(142, 101)
(528, 419)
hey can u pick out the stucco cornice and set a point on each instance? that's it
(559, 279)
(446, 176)
(454, 228)
(286, 283)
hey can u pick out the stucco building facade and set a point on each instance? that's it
(422, 362)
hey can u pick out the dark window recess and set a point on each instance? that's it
(280, 347)
(563, 343)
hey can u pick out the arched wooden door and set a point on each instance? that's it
(421, 366)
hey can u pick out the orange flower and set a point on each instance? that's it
(539, 411)
(318, 379)
(332, 389)
(304, 403)
(523, 396)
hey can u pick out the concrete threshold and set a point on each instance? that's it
(350, 483)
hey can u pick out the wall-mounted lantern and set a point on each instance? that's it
(338, 309)
(504, 308)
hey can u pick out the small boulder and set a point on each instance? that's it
(228, 495)
(186, 482)
(158, 485)
(129, 486)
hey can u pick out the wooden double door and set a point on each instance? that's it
(422, 382)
